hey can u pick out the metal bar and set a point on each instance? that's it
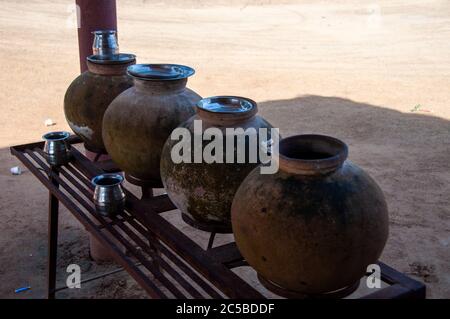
(23, 147)
(53, 208)
(80, 176)
(120, 257)
(117, 221)
(93, 15)
(392, 276)
(212, 236)
(227, 281)
(97, 156)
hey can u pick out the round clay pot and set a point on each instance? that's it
(204, 191)
(315, 225)
(90, 94)
(139, 121)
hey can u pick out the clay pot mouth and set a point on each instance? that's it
(160, 72)
(107, 180)
(108, 59)
(311, 154)
(56, 136)
(227, 108)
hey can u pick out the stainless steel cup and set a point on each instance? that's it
(57, 148)
(109, 198)
(105, 42)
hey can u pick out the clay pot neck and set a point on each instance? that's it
(159, 87)
(312, 155)
(108, 69)
(226, 110)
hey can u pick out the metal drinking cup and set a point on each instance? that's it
(57, 148)
(105, 42)
(109, 198)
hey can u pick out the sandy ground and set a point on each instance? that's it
(356, 70)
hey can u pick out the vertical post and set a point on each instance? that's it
(53, 207)
(94, 15)
(147, 192)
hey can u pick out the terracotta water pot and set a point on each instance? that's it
(139, 121)
(90, 94)
(315, 225)
(204, 191)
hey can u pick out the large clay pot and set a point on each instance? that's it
(315, 225)
(204, 191)
(90, 94)
(139, 121)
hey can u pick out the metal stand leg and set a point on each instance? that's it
(52, 240)
(211, 241)
(147, 193)
(97, 157)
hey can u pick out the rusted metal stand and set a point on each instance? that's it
(164, 261)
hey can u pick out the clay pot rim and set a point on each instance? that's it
(337, 150)
(120, 58)
(184, 72)
(233, 113)
(222, 99)
(96, 179)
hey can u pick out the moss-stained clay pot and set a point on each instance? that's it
(139, 121)
(90, 94)
(204, 191)
(315, 225)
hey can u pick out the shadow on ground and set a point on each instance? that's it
(407, 153)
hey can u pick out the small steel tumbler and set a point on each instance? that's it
(105, 42)
(57, 148)
(109, 197)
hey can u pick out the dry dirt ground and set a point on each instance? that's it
(375, 74)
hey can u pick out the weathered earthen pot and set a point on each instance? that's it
(204, 191)
(139, 121)
(315, 225)
(90, 94)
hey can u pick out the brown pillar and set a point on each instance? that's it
(94, 15)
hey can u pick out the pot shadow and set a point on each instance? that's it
(408, 154)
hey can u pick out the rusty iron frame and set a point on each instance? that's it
(164, 261)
